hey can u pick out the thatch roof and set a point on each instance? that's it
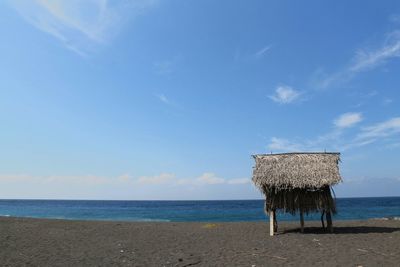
(296, 170)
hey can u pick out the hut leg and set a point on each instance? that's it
(329, 221)
(301, 222)
(322, 219)
(275, 222)
(271, 223)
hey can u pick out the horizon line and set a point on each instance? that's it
(160, 200)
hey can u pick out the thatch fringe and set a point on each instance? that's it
(299, 199)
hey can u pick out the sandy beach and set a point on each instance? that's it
(41, 242)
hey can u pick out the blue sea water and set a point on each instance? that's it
(187, 211)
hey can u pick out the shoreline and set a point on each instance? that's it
(389, 218)
(57, 242)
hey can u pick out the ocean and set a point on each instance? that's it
(188, 211)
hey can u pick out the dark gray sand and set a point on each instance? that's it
(38, 242)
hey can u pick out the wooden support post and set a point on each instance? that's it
(275, 222)
(271, 223)
(329, 221)
(322, 219)
(301, 221)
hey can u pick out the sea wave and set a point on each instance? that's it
(149, 220)
(393, 218)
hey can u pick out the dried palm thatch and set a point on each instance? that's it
(297, 181)
(296, 170)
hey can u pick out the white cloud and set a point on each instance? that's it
(285, 95)
(209, 178)
(163, 98)
(395, 18)
(335, 140)
(162, 186)
(125, 178)
(382, 129)
(88, 179)
(79, 24)
(348, 119)
(281, 144)
(322, 80)
(320, 143)
(387, 101)
(260, 53)
(163, 178)
(364, 60)
(251, 56)
(331, 140)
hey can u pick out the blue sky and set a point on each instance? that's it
(169, 99)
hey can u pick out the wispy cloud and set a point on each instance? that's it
(348, 120)
(368, 186)
(247, 56)
(163, 98)
(164, 185)
(285, 95)
(364, 60)
(282, 144)
(278, 144)
(164, 67)
(334, 140)
(80, 25)
(260, 53)
(167, 66)
(322, 142)
(383, 129)
(368, 59)
(387, 101)
(163, 178)
(329, 140)
(68, 180)
(395, 18)
(209, 178)
(364, 97)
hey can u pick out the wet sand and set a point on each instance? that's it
(40, 242)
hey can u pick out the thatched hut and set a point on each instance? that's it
(297, 182)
